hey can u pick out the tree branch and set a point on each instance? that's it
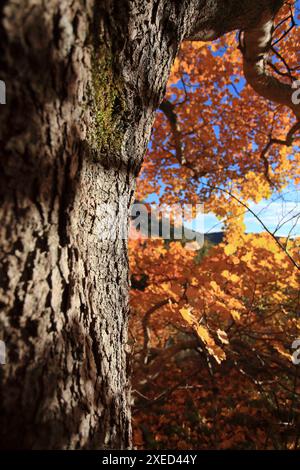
(288, 142)
(256, 44)
(168, 109)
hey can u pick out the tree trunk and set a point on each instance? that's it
(73, 135)
(83, 80)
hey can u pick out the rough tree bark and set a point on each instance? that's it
(83, 79)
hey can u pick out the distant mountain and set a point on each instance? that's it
(188, 235)
(215, 237)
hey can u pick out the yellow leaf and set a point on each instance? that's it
(222, 335)
(187, 315)
(230, 249)
(235, 314)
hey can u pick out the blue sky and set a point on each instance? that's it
(280, 213)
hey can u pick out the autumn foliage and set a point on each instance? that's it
(211, 331)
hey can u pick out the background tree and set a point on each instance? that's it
(212, 340)
(212, 330)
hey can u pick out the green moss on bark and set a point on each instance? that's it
(108, 104)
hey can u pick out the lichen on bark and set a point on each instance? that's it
(108, 104)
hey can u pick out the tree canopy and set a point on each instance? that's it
(212, 330)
